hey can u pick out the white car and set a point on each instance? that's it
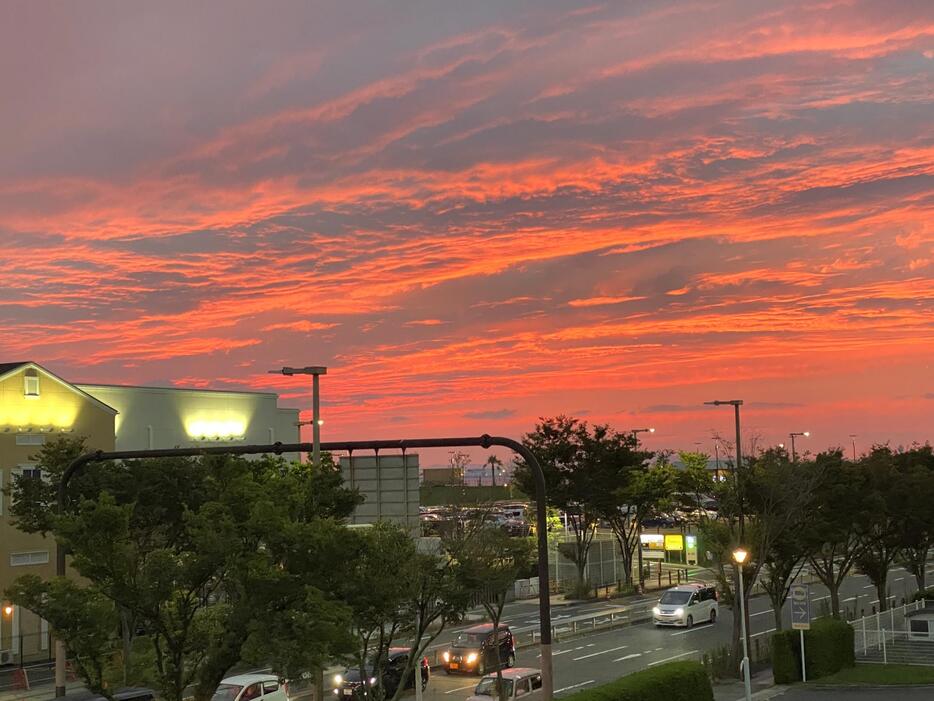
(687, 604)
(250, 687)
(519, 682)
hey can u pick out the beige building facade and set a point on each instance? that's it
(36, 405)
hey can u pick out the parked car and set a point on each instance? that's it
(687, 604)
(350, 684)
(134, 694)
(474, 650)
(249, 687)
(522, 682)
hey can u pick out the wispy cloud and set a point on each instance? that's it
(709, 196)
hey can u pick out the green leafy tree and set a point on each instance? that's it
(211, 556)
(764, 499)
(883, 529)
(787, 554)
(80, 616)
(584, 467)
(377, 595)
(646, 491)
(916, 476)
(491, 561)
(437, 597)
(840, 517)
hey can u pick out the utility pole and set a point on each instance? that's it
(853, 438)
(792, 435)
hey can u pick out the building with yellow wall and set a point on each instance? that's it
(36, 404)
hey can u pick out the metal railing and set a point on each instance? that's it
(887, 637)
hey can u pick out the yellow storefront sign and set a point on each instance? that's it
(674, 541)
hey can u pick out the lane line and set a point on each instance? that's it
(690, 630)
(761, 613)
(460, 688)
(770, 630)
(602, 652)
(574, 686)
(628, 657)
(669, 659)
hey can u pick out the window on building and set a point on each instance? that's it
(30, 439)
(31, 383)
(919, 626)
(36, 557)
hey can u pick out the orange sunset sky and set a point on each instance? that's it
(479, 213)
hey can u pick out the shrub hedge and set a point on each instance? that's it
(674, 681)
(828, 648)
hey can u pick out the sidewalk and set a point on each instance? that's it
(763, 687)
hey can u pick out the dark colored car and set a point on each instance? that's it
(475, 650)
(350, 684)
(136, 694)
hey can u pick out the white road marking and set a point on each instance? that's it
(574, 686)
(669, 659)
(870, 586)
(761, 613)
(821, 598)
(770, 630)
(602, 652)
(460, 688)
(658, 649)
(628, 657)
(690, 630)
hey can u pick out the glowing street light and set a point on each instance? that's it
(8, 610)
(316, 371)
(740, 555)
(805, 434)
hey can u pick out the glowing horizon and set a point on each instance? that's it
(477, 215)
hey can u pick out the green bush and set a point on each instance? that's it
(828, 648)
(720, 664)
(927, 595)
(786, 657)
(675, 681)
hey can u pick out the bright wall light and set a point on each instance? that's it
(215, 427)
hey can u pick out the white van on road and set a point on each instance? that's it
(687, 604)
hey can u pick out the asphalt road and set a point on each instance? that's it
(603, 656)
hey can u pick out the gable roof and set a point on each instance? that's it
(7, 369)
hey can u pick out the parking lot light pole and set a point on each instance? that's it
(739, 555)
(792, 435)
(316, 371)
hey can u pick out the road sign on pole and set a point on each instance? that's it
(800, 607)
(801, 617)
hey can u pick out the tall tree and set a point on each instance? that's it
(646, 490)
(840, 516)
(916, 476)
(883, 529)
(202, 552)
(584, 467)
(753, 512)
(491, 561)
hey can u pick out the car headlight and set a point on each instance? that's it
(656, 610)
(471, 658)
(337, 691)
(447, 656)
(679, 612)
(338, 679)
(372, 681)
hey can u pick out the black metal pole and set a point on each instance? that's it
(484, 441)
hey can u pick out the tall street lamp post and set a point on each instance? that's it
(635, 434)
(316, 371)
(739, 555)
(853, 438)
(792, 435)
(737, 470)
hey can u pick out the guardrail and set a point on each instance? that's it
(563, 629)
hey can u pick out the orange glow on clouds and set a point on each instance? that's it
(678, 203)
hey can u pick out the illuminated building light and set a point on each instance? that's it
(217, 429)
